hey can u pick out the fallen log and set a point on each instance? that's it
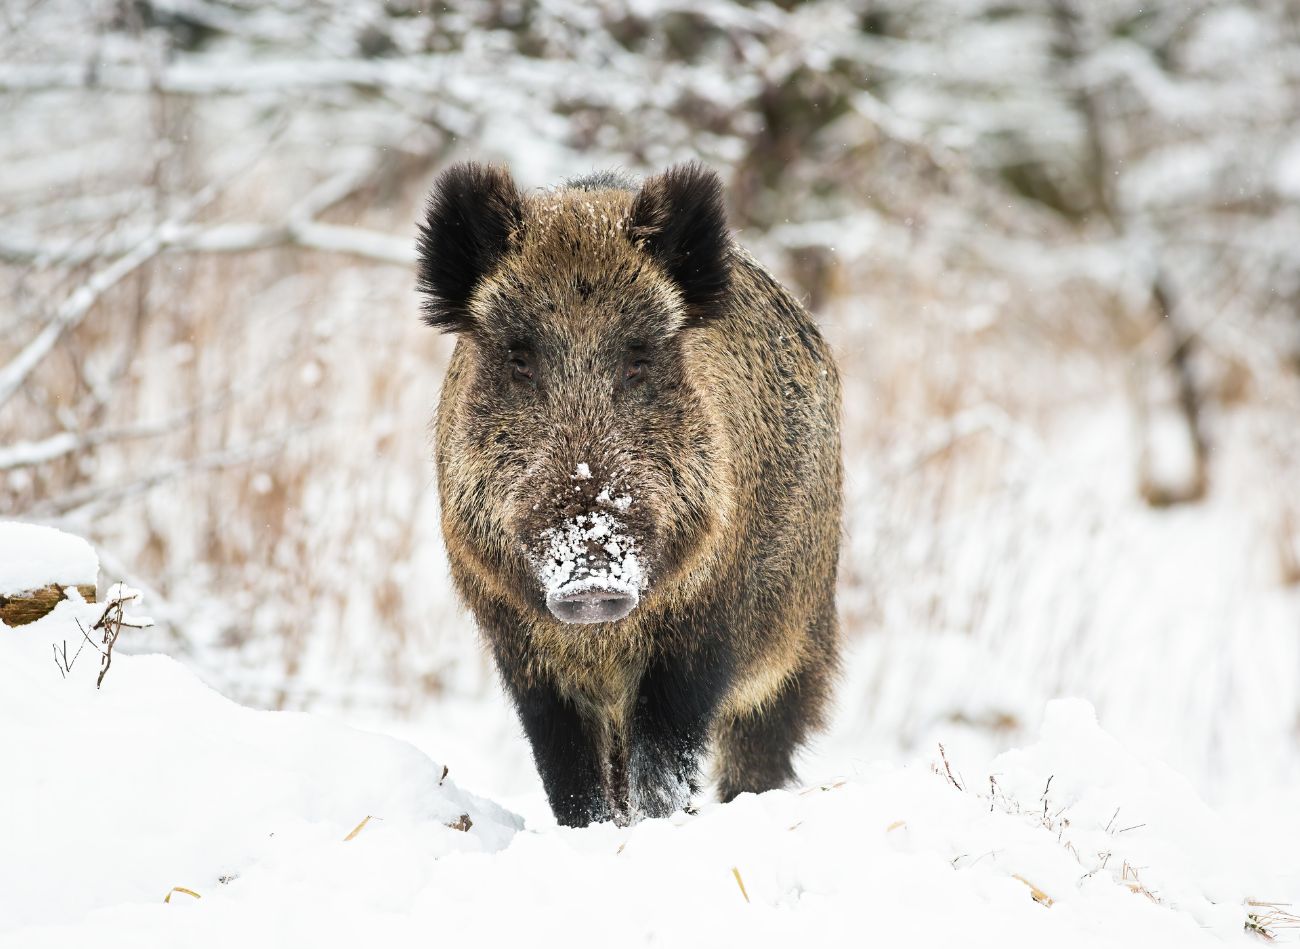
(38, 565)
(19, 609)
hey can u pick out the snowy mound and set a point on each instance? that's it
(32, 557)
(113, 798)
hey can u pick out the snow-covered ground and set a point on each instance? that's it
(282, 828)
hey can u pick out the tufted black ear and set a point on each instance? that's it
(680, 220)
(471, 219)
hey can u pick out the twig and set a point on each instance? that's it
(948, 768)
(232, 238)
(1129, 877)
(29, 454)
(244, 387)
(65, 665)
(414, 74)
(300, 229)
(110, 623)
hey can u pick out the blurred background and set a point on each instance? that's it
(1055, 243)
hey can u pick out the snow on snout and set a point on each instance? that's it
(620, 503)
(570, 562)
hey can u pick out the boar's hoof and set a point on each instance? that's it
(591, 605)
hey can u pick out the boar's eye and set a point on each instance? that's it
(635, 371)
(521, 366)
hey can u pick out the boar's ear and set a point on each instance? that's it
(471, 219)
(680, 220)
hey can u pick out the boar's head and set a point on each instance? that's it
(579, 466)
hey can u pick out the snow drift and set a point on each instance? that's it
(114, 798)
(32, 556)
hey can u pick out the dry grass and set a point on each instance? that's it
(324, 365)
(1266, 919)
(1055, 821)
(1038, 895)
(735, 872)
(1288, 547)
(180, 889)
(360, 827)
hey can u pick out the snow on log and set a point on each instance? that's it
(36, 565)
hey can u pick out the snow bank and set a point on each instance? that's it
(32, 557)
(112, 798)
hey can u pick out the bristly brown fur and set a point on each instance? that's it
(730, 451)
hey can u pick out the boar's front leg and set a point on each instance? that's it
(676, 705)
(566, 751)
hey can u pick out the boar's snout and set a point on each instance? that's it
(590, 568)
(593, 605)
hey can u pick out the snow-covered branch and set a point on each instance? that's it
(79, 303)
(229, 238)
(75, 307)
(416, 74)
(311, 235)
(27, 454)
(299, 228)
(214, 461)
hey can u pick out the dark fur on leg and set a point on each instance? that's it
(755, 750)
(567, 746)
(567, 755)
(676, 706)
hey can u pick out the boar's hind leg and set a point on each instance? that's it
(754, 749)
(566, 751)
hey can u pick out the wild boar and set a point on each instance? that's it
(638, 458)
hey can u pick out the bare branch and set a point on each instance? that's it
(74, 309)
(413, 74)
(300, 229)
(229, 239)
(76, 306)
(101, 494)
(29, 454)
